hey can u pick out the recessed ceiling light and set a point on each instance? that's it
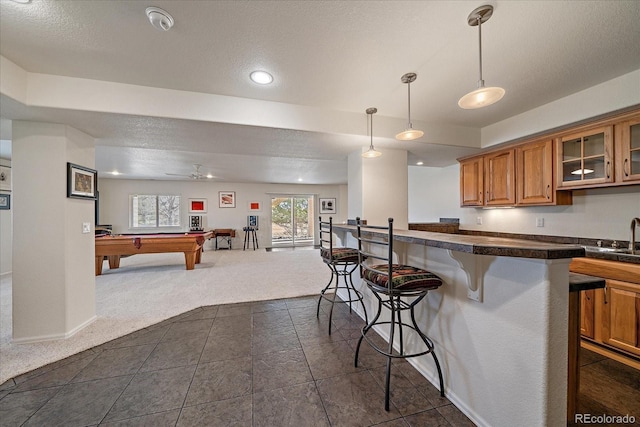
(299, 179)
(209, 176)
(261, 77)
(420, 163)
(115, 172)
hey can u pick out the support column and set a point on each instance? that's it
(53, 261)
(378, 187)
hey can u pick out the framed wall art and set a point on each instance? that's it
(81, 182)
(255, 206)
(5, 178)
(197, 205)
(328, 206)
(5, 202)
(227, 199)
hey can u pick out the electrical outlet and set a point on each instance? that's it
(86, 228)
(539, 222)
(479, 220)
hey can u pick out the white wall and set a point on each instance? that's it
(53, 277)
(603, 213)
(615, 94)
(114, 202)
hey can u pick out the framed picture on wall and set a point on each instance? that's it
(5, 178)
(81, 182)
(197, 205)
(255, 206)
(227, 199)
(328, 206)
(5, 202)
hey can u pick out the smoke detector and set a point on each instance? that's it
(159, 18)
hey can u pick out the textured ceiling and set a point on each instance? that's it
(340, 56)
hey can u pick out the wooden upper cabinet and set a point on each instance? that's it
(534, 175)
(628, 158)
(534, 165)
(499, 178)
(585, 158)
(471, 182)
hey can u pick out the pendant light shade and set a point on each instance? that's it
(410, 133)
(371, 153)
(482, 96)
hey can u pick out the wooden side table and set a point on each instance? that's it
(225, 235)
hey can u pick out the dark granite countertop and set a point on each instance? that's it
(484, 245)
(581, 282)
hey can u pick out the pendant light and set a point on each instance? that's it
(371, 153)
(482, 96)
(410, 133)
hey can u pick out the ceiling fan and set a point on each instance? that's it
(196, 174)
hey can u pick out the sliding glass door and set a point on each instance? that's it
(292, 220)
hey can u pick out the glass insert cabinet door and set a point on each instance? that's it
(586, 157)
(631, 151)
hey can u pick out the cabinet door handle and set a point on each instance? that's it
(624, 168)
(608, 169)
(548, 187)
(605, 293)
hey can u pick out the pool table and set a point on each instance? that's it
(114, 246)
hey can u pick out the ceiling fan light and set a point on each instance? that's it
(481, 97)
(409, 135)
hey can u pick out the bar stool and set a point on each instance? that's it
(342, 262)
(406, 282)
(250, 237)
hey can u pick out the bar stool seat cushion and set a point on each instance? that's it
(339, 255)
(404, 277)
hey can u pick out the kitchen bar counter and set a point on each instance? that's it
(483, 245)
(499, 322)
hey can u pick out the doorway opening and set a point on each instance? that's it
(292, 221)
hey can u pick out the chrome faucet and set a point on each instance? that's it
(635, 222)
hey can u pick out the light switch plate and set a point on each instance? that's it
(86, 227)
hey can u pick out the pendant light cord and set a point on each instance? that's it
(480, 82)
(409, 103)
(370, 117)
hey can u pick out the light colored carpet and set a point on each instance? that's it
(149, 288)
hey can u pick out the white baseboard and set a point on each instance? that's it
(54, 337)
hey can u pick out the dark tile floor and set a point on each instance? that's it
(607, 387)
(267, 363)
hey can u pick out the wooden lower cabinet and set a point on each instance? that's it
(611, 316)
(587, 312)
(621, 316)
